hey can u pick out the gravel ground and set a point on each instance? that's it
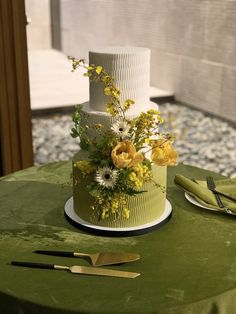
(201, 140)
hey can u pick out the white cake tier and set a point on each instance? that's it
(130, 68)
(105, 119)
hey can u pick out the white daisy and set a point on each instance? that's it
(106, 177)
(121, 128)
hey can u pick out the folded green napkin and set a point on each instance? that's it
(200, 192)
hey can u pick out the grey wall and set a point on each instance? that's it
(193, 42)
(39, 28)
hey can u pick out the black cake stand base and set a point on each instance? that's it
(78, 222)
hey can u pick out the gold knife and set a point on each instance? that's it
(97, 259)
(80, 269)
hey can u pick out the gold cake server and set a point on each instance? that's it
(80, 269)
(97, 259)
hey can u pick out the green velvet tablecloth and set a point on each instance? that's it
(187, 267)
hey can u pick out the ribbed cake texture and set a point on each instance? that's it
(144, 208)
(130, 69)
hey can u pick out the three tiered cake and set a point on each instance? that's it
(119, 175)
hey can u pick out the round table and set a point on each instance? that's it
(187, 266)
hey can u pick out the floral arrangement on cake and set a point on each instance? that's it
(117, 157)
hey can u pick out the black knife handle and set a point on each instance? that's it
(55, 253)
(32, 264)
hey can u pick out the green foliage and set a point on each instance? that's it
(116, 158)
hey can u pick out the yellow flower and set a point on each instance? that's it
(126, 212)
(163, 153)
(115, 93)
(153, 112)
(108, 91)
(132, 176)
(114, 205)
(146, 172)
(135, 180)
(111, 109)
(124, 155)
(139, 170)
(85, 167)
(98, 69)
(127, 104)
(140, 173)
(112, 91)
(106, 79)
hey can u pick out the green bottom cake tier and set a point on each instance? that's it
(144, 208)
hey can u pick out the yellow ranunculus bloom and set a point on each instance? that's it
(163, 153)
(124, 155)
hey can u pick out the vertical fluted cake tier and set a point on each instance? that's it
(130, 68)
(144, 208)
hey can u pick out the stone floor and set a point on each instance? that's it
(201, 140)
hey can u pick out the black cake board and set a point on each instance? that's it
(78, 222)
